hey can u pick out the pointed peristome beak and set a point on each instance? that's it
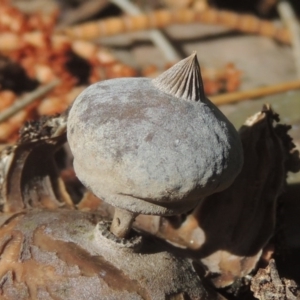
(183, 80)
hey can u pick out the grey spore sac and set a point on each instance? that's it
(153, 146)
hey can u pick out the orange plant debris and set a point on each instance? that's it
(31, 42)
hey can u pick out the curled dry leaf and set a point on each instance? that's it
(28, 174)
(228, 230)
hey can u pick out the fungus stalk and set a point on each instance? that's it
(122, 221)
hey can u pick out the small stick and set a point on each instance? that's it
(31, 97)
(289, 18)
(122, 221)
(255, 93)
(156, 36)
(83, 12)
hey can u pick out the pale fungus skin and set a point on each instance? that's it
(153, 146)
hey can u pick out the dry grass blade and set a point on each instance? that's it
(83, 12)
(255, 93)
(33, 96)
(289, 18)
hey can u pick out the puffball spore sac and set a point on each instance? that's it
(153, 146)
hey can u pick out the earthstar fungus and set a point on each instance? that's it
(152, 146)
(52, 251)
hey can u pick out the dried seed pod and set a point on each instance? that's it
(153, 146)
(229, 230)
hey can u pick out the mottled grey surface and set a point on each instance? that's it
(88, 266)
(143, 150)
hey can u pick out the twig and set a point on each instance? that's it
(162, 18)
(255, 93)
(33, 96)
(156, 36)
(83, 12)
(288, 17)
